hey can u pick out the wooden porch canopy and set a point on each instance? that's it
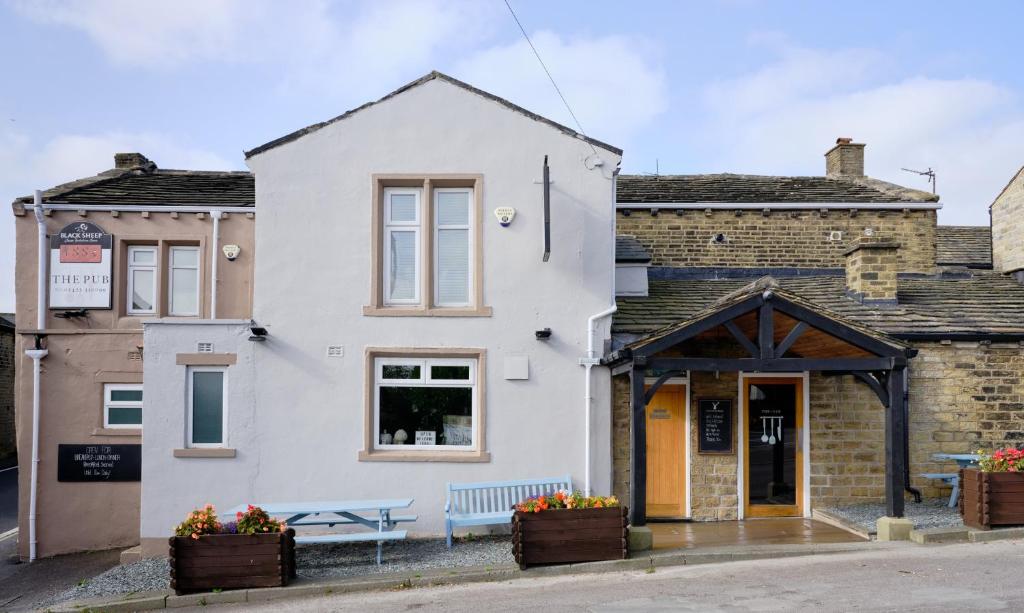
(771, 330)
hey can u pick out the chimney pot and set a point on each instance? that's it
(845, 159)
(132, 161)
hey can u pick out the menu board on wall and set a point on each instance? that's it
(99, 463)
(715, 426)
(80, 267)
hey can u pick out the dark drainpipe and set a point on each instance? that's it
(906, 438)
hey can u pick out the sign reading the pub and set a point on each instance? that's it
(99, 463)
(80, 267)
(714, 426)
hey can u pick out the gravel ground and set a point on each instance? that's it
(930, 513)
(315, 562)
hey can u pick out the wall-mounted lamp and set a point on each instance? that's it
(543, 335)
(259, 334)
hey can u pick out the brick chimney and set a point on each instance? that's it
(131, 161)
(871, 267)
(846, 159)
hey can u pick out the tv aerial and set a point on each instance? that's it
(924, 173)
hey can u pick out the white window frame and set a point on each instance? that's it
(470, 247)
(121, 404)
(170, 279)
(425, 380)
(390, 227)
(191, 370)
(132, 267)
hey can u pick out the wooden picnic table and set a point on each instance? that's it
(341, 512)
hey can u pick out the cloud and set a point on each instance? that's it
(613, 85)
(780, 118)
(26, 165)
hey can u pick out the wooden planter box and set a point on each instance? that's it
(991, 499)
(569, 535)
(232, 561)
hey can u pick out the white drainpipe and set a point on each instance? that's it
(592, 358)
(37, 355)
(216, 215)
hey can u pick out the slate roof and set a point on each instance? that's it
(969, 246)
(733, 188)
(982, 303)
(420, 81)
(156, 186)
(629, 250)
(7, 320)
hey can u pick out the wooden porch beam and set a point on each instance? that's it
(711, 321)
(637, 449)
(895, 446)
(766, 331)
(651, 391)
(776, 364)
(877, 382)
(836, 329)
(787, 342)
(742, 339)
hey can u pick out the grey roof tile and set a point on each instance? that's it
(156, 186)
(969, 246)
(629, 249)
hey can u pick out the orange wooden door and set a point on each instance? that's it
(666, 453)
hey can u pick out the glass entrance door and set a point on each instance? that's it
(774, 475)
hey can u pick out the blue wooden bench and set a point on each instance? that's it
(950, 479)
(490, 503)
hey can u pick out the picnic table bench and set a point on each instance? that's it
(342, 512)
(963, 460)
(489, 503)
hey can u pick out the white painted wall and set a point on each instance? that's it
(297, 416)
(631, 279)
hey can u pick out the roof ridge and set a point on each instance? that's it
(63, 189)
(432, 75)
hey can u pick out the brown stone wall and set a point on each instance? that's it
(712, 476)
(7, 442)
(1008, 227)
(792, 239)
(871, 268)
(620, 437)
(847, 442)
(963, 397)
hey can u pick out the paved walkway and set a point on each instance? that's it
(774, 531)
(968, 577)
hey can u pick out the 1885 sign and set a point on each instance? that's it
(80, 266)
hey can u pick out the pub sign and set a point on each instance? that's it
(80, 267)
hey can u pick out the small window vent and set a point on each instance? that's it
(205, 348)
(835, 235)
(335, 351)
(135, 356)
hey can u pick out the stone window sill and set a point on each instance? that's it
(117, 431)
(205, 452)
(381, 311)
(424, 456)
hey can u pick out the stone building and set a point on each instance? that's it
(8, 448)
(795, 328)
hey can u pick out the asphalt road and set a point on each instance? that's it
(968, 577)
(8, 498)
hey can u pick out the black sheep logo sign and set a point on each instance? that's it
(80, 267)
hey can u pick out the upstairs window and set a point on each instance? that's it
(452, 248)
(122, 405)
(184, 281)
(141, 280)
(401, 246)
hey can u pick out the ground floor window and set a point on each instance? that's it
(425, 403)
(207, 406)
(122, 405)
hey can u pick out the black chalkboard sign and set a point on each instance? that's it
(715, 426)
(99, 463)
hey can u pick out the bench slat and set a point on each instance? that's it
(360, 537)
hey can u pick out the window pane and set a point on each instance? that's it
(143, 256)
(119, 416)
(143, 289)
(403, 265)
(445, 411)
(401, 371)
(452, 266)
(449, 373)
(207, 407)
(185, 291)
(403, 207)
(126, 395)
(184, 257)
(452, 208)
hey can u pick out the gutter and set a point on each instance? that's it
(141, 208)
(791, 206)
